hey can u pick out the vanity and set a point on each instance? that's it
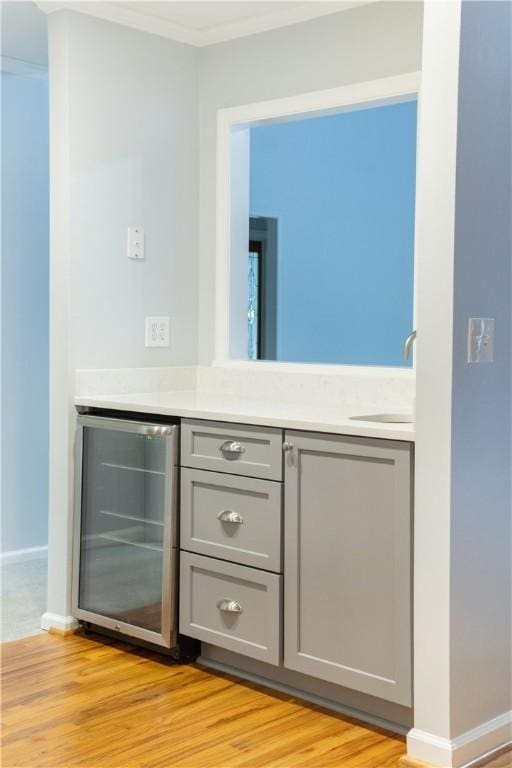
(295, 545)
(296, 551)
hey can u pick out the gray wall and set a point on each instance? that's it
(373, 41)
(132, 105)
(123, 152)
(481, 660)
(24, 295)
(24, 32)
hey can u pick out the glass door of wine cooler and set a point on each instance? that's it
(125, 527)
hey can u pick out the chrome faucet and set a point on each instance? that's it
(408, 345)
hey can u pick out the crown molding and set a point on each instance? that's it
(275, 20)
(116, 13)
(119, 15)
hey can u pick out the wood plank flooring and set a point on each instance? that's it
(90, 702)
(95, 703)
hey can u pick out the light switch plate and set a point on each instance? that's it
(481, 340)
(136, 243)
(157, 331)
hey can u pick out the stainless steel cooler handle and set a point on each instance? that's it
(123, 425)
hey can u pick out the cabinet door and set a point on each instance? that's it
(348, 562)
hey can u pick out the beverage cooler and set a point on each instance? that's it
(125, 536)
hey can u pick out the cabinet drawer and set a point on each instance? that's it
(234, 518)
(231, 606)
(234, 448)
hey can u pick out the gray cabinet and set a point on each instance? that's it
(347, 565)
(231, 518)
(346, 612)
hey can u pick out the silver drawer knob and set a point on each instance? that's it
(228, 516)
(229, 606)
(231, 446)
(287, 446)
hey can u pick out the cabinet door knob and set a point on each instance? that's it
(229, 606)
(228, 516)
(231, 446)
(287, 446)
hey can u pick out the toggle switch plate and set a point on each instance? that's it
(136, 243)
(481, 340)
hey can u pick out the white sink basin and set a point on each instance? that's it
(386, 418)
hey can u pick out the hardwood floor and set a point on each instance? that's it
(95, 703)
(85, 701)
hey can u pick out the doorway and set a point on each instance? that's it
(24, 318)
(262, 289)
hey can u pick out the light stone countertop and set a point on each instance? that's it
(266, 412)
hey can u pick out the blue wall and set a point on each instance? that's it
(25, 191)
(342, 188)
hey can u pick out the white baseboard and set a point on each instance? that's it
(20, 555)
(464, 750)
(58, 622)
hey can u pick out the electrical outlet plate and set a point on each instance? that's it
(481, 340)
(136, 242)
(157, 331)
